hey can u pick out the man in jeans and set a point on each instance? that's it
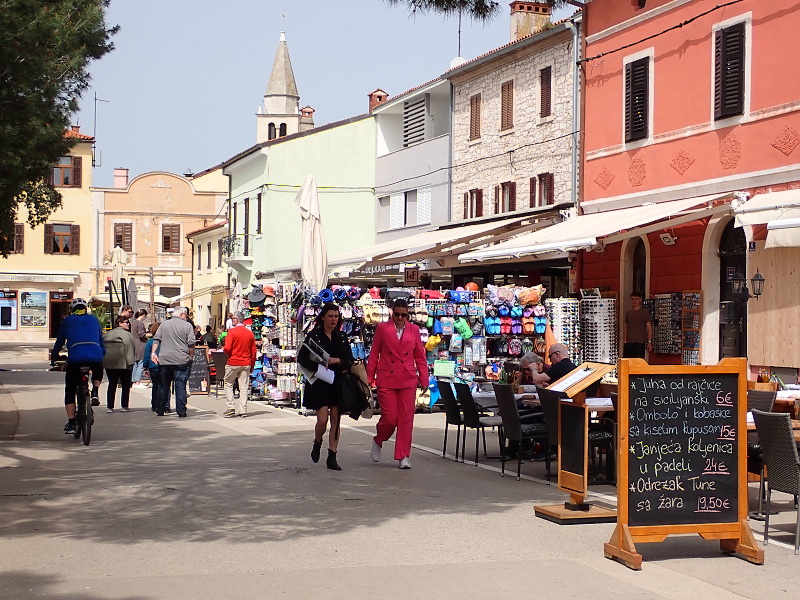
(175, 338)
(240, 346)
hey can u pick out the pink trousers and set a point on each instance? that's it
(397, 412)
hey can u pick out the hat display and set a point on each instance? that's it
(269, 290)
(256, 294)
(326, 295)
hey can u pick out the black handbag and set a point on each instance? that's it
(354, 395)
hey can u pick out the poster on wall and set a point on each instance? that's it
(33, 309)
(8, 310)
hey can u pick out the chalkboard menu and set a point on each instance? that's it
(683, 449)
(198, 378)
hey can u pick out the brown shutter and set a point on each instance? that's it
(637, 90)
(507, 105)
(258, 223)
(219, 253)
(118, 235)
(496, 199)
(466, 205)
(545, 87)
(175, 241)
(246, 209)
(729, 71)
(77, 174)
(74, 239)
(512, 195)
(551, 192)
(19, 238)
(127, 237)
(532, 198)
(48, 238)
(475, 117)
(208, 258)
(479, 203)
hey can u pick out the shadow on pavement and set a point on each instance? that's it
(44, 586)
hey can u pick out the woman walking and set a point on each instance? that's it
(139, 335)
(118, 362)
(151, 369)
(397, 362)
(321, 396)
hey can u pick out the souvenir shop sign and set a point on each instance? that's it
(682, 457)
(411, 276)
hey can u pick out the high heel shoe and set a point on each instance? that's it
(315, 451)
(331, 462)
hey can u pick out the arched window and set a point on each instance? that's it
(271, 131)
(283, 129)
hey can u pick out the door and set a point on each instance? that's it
(733, 333)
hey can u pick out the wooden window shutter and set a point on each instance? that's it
(466, 205)
(175, 241)
(512, 195)
(532, 197)
(246, 209)
(637, 91)
(479, 203)
(551, 192)
(127, 237)
(546, 87)
(74, 239)
(77, 175)
(19, 238)
(496, 199)
(729, 71)
(475, 117)
(258, 214)
(48, 238)
(208, 256)
(219, 253)
(507, 105)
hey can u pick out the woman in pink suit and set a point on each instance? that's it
(397, 364)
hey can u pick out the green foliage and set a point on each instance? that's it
(46, 48)
(478, 10)
(102, 314)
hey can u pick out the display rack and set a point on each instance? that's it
(564, 317)
(599, 330)
(665, 312)
(690, 326)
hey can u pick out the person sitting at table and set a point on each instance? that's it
(529, 365)
(560, 366)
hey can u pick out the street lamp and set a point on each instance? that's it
(739, 286)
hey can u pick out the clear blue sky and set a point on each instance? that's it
(187, 76)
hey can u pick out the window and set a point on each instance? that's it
(123, 236)
(170, 238)
(545, 92)
(415, 120)
(637, 92)
(398, 213)
(61, 239)
(246, 209)
(271, 135)
(234, 217)
(67, 173)
(508, 196)
(219, 253)
(283, 129)
(199, 257)
(473, 204)
(15, 243)
(532, 192)
(208, 256)
(729, 71)
(424, 205)
(258, 213)
(546, 189)
(507, 105)
(169, 292)
(475, 117)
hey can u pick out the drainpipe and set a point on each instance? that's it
(191, 279)
(577, 109)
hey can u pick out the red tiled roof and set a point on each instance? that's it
(77, 135)
(207, 228)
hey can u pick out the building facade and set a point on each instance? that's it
(208, 298)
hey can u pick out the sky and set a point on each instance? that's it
(182, 86)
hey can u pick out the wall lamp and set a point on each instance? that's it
(739, 286)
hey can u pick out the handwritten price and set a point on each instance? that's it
(724, 399)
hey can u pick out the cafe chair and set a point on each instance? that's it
(220, 360)
(783, 464)
(472, 419)
(514, 429)
(762, 400)
(452, 413)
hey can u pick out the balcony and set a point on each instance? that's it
(238, 248)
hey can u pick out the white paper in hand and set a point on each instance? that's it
(325, 374)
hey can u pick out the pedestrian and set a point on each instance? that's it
(240, 346)
(126, 311)
(151, 370)
(209, 339)
(229, 321)
(321, 396)
(118, 363)
(397, 365)
(139, 335)
(638, 329)
(173, 347)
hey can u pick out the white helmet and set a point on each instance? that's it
(78, 303)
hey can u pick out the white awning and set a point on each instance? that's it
(771, 206)
(211, 289)
(783, 233)
(585, 231)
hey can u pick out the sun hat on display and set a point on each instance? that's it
(326, 295)
(354, 293)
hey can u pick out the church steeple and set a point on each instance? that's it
(279, 113)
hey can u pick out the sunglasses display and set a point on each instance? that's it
(564, 317)
(600, 329)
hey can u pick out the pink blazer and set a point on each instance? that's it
(397, 364)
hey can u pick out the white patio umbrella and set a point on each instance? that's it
(236, 297)
(119, 258)
(314, 251)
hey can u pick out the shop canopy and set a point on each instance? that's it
(588, 231)
(779, 211)
(211, 289)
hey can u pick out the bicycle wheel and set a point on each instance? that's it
(87, 414)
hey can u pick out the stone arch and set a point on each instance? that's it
(626, 283)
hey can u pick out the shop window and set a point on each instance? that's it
(729, 71)
(507, 105)
(61, 239)
(637, 92)
(475, 117)
(170, 238)
(545, 92)
(14, 244)
(123, 236)
(67, 173)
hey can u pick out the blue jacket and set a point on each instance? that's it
(84, 338)
(148, 349)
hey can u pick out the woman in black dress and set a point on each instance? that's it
(321, 396)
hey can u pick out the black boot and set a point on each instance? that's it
(315, 451)
(332, 464)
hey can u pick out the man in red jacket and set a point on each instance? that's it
(240, 346)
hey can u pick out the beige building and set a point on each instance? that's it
(148, 218)
(49, 265)
(208, 299)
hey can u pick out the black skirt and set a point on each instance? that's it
(319, 394)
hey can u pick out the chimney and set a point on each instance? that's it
(377, 98)
(76, 128)
(306, 118)
(528, 18)
(120, 178)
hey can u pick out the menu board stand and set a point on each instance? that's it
(198, 382)
(682, 457)
(573, 444)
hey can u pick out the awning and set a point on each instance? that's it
(783, 233)
(768, 207)
(211, 289)
(586, 231)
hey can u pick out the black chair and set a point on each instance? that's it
(514, 429)
(782, 462)
(220, 360)
(472, 419)
(763, 401)
(452, 413)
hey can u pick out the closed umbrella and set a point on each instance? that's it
(133, 294)
(119, 258)
(236, 297)
(314, 251)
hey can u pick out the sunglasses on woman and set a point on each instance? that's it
(402, 315)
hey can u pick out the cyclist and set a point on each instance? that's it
(83, 335)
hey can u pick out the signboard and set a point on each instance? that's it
(411, 276)
(682, 454)
(199, 376)
(33, 309)
(8, 309)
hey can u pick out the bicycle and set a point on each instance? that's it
(84, 412)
